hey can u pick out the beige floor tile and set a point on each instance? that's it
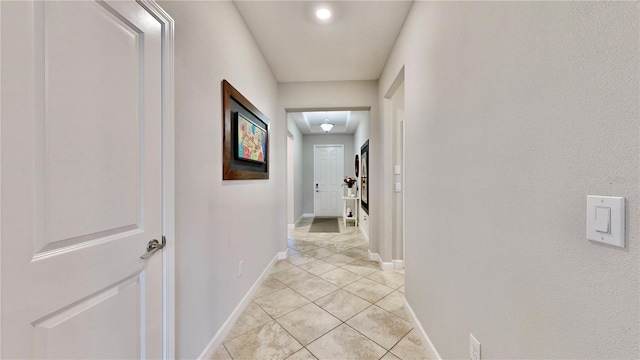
(269, 341)
(399, 271)
(390, 356)
(313, 288)
(380, 326)
(280, 266)
(355, 253)
(410, 347)
(366, 263)
(387, 278)
(337, 247)
(368, 290)
(401, 289)
(281, 302)
(308, 323)
(359, 269)
(320, 253)
(339, 259)
(340, 277)
(303, 246)
(342, 304)
(268, 286)
(292, 275)
(393, 303)
(221, 354)
(292, 251)
(355, 241)
(344, 343)
(300, 259)
(252, 317)
(303, 354)
(318, 267)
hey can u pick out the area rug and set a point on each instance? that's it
(324, 225)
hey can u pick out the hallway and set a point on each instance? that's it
(326, 301)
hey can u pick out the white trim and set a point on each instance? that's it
(398, 264)
(291, 226)
(383, 265)
(424, 337)
(224, 330)
(282, 255)
(307, 215)
(168, 177)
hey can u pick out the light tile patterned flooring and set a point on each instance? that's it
(326, 301)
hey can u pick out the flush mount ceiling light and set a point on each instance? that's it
(323, 14)
(326, 126)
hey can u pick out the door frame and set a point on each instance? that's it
(168, 177)
(315, 146)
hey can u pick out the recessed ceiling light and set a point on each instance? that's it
(323, 14)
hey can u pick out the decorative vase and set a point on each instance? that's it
(350, 192)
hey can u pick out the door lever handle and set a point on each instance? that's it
(152, 247)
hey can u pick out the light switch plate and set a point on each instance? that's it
(396, 169)
(597, 207)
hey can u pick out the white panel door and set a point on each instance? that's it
(328, 173)
(81, 179)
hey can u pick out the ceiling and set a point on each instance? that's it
(353, 45)
(345, 122)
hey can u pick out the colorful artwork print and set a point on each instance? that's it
(252, 142)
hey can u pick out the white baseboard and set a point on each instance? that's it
(291, 226)
(283, 254)
(308, 215)
(424, 337)
(219, 337)
(398, 264)
(383, 265)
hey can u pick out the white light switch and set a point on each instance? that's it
(605, 220)
(398, 187)
(396, 170)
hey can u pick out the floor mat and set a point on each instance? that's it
(324, 225)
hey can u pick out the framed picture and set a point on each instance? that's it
(251, 140)
(245, 145)
(357, 166)
(364, 176)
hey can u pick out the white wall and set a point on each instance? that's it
(212, 214)
(341, 94)
(515, 112)
(308, 182)
(297, 168)
(359, 138)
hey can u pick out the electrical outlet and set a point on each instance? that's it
(474, 348)
(240, 268)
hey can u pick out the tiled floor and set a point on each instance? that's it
(326, 301)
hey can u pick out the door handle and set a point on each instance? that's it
(152, 247)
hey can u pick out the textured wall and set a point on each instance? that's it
(298, 155)
(212, 214)
(515, 112)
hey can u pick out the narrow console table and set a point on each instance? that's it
(354, 209)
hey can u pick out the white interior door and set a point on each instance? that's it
(328, 174)
(81, 182)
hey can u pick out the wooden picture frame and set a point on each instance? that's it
(245, 146)
(364, 176)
